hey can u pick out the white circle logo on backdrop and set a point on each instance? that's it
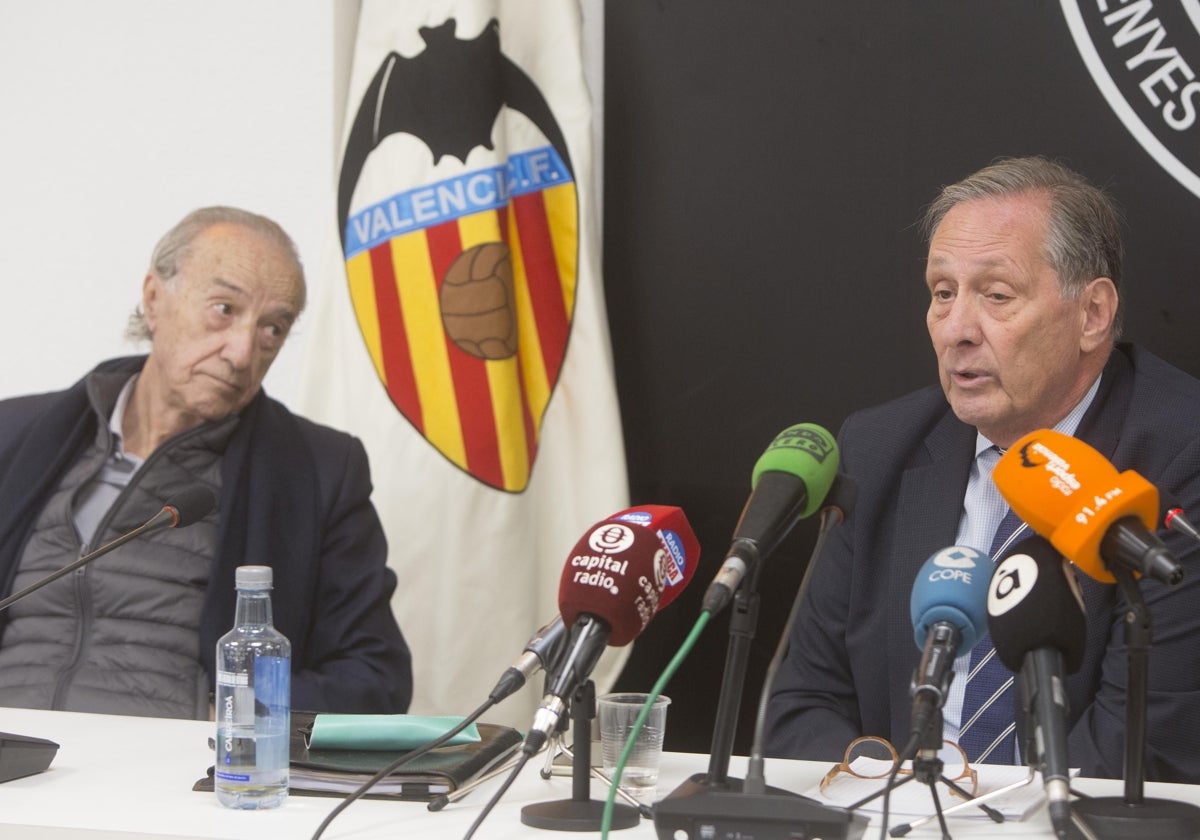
(1144, 56)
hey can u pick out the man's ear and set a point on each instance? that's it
(152, 291)
(1098, 313)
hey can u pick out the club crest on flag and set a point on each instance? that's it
(459, 220)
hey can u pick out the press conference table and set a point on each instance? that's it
(132, 778)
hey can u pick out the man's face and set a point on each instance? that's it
(219, 322)
(1009, 347)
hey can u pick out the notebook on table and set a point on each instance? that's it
(337, 772)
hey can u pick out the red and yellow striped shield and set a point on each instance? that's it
(464, 292)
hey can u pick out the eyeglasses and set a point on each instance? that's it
(877, 759)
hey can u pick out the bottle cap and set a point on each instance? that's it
(253, 577)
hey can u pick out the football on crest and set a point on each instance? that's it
(479, 309)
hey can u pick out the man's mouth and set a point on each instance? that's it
(225, 383)
(970, 375)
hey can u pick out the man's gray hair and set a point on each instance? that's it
(1083, 240)
(176, 245)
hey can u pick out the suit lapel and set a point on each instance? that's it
(928, 509)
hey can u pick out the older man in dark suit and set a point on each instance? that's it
(135, 632)
(1024, 315)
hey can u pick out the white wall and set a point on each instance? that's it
(121, 116)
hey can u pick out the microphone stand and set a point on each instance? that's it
(580, 812)
(928, 769)
(1135, 817)
(712, 801)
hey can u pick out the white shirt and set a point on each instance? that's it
(97, 495)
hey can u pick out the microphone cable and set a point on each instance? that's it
(635, 730)
(407, 757)
(907, 754)
(522, 759)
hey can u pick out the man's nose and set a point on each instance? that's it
(962, 324)
(239, 346)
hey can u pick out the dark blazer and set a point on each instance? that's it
(852, 651)
(294, 496)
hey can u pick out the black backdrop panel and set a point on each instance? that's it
(765, 165)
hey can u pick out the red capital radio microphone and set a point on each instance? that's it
(620, 573)
(1072, 495)
(544, 646)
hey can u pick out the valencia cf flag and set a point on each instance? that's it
(465, 338)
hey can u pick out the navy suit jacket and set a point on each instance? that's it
(852, 651)
(295, 496)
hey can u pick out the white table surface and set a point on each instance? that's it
(132, 778)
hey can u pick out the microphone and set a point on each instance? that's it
(949, 615)
(546, 644)
(840, 501)
(1098, 518)
(1036, 617)
(1176, 520)
(25, 756)
(675, 533)
(621, 572)
(838, 506)
(186, 507)
(541, 649)
(788, 483)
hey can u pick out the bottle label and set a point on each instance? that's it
(252, 719)
(272, 683)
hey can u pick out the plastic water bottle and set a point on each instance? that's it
(253, 700)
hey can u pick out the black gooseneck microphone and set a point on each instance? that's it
(187, 507)
(541, 649)
(22, 755)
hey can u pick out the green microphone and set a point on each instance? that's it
(789, 482)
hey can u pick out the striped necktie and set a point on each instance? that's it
(988, 731)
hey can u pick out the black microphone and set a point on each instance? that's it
(24, 756)
(541, 649)
(789, 482)
(187, 507)
(1173, 517)
(1037, 622)
(839, 504)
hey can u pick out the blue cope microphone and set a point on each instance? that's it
(949, 616)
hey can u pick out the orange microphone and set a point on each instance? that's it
(1073, 496)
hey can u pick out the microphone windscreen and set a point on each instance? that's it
(952, 586)
(617, 572)
(191, 505)
(806, 451)
(1034, 602)
(678, 539)
(842, 495)
(1071, 494)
